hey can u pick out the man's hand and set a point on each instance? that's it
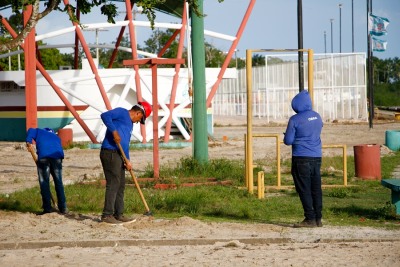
(117, 138)
(29, 146)
(128, 165)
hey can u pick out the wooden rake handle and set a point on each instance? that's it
(36, 161)
(134, 179)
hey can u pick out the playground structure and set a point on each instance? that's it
(74, 98)
(249, 165)
(119, 88)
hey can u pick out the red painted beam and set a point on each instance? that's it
(231, 51)
(30, 74)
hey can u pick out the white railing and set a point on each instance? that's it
(339, 88)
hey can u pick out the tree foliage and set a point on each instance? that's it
(107, 8)
(386, 81)
(386, 70)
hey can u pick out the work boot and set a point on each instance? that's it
(319, 222)
(110, 219)
(124, 219)
(305, 223)
(46, 212)
(64, 211)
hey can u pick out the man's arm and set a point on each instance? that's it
(289, 134)
(107, 118)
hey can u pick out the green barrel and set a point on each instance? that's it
(392, 139)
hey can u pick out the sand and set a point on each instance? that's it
(81, 240)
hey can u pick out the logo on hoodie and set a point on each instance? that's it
(312, 118)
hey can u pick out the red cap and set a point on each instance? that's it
(146, 108)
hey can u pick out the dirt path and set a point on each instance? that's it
(81, 240)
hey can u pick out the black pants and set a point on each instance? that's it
(306, 172)
(114, 171)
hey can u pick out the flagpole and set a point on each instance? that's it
(370, 70)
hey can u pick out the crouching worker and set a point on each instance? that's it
(119, 123)
(303, 134)
(50, 155)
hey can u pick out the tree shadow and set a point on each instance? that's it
(378, 213)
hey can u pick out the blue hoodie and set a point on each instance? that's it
(48, 144)
(120, 120)
(304, 128)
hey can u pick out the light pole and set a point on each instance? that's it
(96, 30)
(340, 28)
(236, 59)
(325, 40)
(9, 60)
(300, 43)
(332, 35)
(352, 26)
(19, 59)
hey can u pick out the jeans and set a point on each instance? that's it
(45, 167)
(306, 172)
(114, 171)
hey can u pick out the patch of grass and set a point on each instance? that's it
(362, 203)
(189, 168)
(80, 145)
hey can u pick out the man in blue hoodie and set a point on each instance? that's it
(49, 161)
(303, 134)
(119, 123)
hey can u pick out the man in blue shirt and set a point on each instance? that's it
(119, 123)
(303, 134)
(49, 161)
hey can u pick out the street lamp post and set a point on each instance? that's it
(96, 30)
(236, 59)
(352, 26)
(9, 60)
(332, 35)
(97, 46)
(300, 43)
(325, 40)
(340, 28)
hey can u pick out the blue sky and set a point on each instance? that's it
(273, 24)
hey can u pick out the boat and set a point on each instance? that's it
(72, 98)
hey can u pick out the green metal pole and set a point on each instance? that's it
(200, 135)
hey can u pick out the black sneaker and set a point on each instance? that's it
(64, 212)
(305, 223)
(124, 219)
(110, 219)
(319, 222)
(46, 212)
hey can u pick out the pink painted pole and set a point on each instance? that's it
(231, 51)
(85, 47)
(55, 87)
(176, 76)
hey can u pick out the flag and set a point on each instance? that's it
(377, 25)
(378, 45)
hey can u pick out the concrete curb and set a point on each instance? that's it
(179, 242)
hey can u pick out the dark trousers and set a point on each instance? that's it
(306, 172)
(114, 171)
(45, 168)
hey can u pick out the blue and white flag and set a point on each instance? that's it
(378, 45)
(377, 25)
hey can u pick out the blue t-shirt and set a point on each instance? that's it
(48, 144)
(120, 120)
(304, 128)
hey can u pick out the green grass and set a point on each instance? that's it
(362, 203)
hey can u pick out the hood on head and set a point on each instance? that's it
(301, 102)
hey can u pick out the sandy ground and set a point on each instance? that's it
(81, 240)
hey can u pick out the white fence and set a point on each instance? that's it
(340, 91)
